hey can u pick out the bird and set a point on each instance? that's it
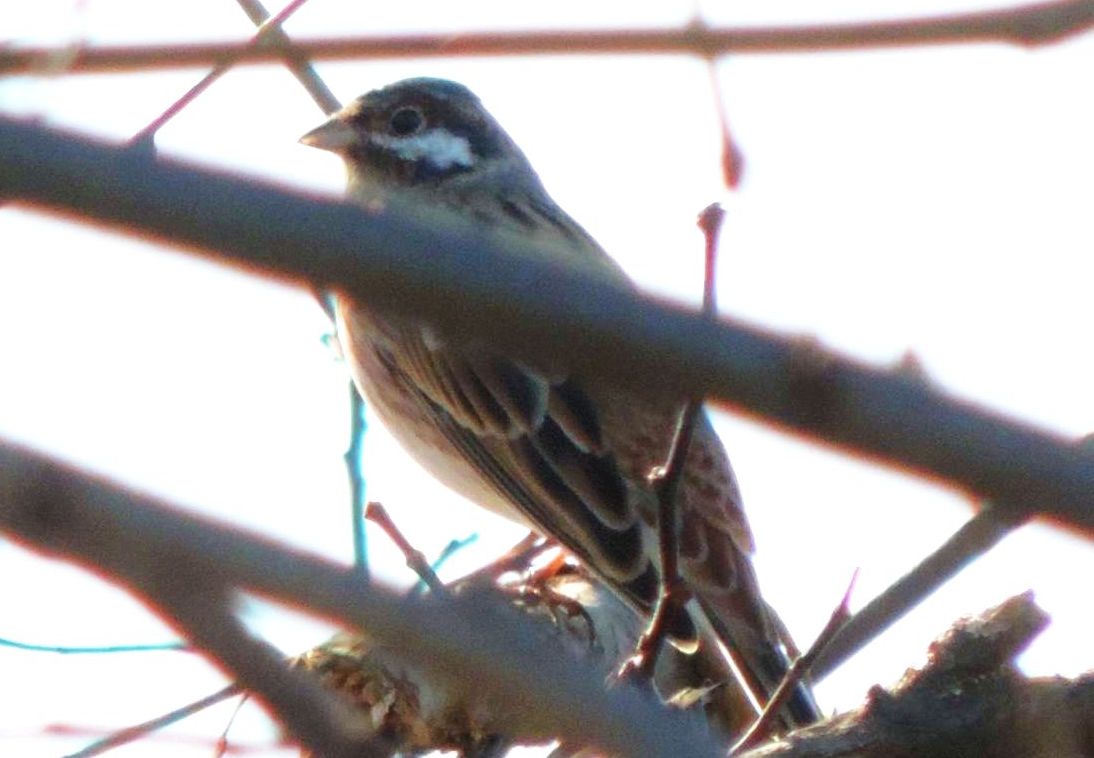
(569, 457)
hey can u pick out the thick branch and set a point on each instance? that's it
(198, 602)
(471, 642)
(967, 700)
(1030, 25)
(507, 291)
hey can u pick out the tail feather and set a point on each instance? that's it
(759, 654)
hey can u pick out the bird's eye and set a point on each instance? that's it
(406, 121)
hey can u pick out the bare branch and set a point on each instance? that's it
(446, 270)
(273, 34)
(766, 724)
(268, 31)
(978, 535)
(194, 597)
(470, 641)
(1030, 25)
(967, 700)
(415, 559)
(674, 593)
(198, 602)
(418, 711)
(139, 731)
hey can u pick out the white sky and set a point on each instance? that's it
(933, 200)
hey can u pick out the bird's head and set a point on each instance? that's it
(416, 132)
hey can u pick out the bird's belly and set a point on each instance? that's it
(433, 452)
(402, 415)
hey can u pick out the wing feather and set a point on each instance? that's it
(496, 414)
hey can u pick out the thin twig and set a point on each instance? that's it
(733, 159)
(517, 558)
(440, 268)
(96, 650)
(978, 535)
(298, 64)
(453, 547)
(222, 740)
(415, 559)
(271, 32)
(264, 35)
(674, 593)
(1027, 26)
(767, 721)
(354, 460)
(710, 223)
(139, 731)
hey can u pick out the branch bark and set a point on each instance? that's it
(968, 700)
(472, 644)
(1031, 25)
(446, 270)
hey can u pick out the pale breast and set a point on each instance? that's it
(366, 338)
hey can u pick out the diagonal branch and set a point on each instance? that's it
(1030, 25)
(978, 535)
(198, 602)
(273, 34)
(142, 730)
(267, 32)
(470, 642)
(438, 267)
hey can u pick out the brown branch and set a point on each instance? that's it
(768, 720)
(1028, 26)
(438, 267)
(415, 559)
(978, 535)
(674, 593)
(139, 731)
(269, 31)
(733, 158)
(298, 64)
(469, 642)
(418, 712)
(968, 700)
(197, 601)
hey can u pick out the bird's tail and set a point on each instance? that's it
(760, 648)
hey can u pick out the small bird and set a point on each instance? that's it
(569, 458)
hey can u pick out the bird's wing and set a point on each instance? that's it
(537, 441)
(541, 440)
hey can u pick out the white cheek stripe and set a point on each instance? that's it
(440, 147)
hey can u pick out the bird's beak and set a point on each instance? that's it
(335, 135)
